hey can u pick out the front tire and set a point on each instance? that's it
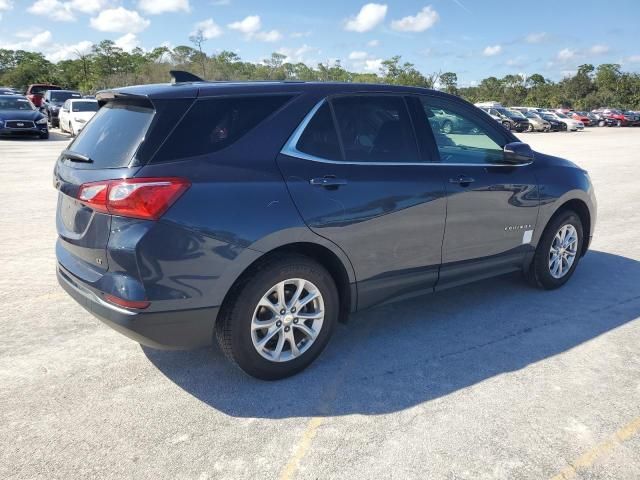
(278, 320)
(558, 252)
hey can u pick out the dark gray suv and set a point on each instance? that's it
(263, 213)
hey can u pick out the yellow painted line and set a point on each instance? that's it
(291, 467)
(588, 458)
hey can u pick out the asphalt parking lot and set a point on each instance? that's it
(490, 381)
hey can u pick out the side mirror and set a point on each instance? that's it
(518, 153)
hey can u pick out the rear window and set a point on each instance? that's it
(84, 106)
(215, 123)
(113, 136)
(62, 96)
(43, 88)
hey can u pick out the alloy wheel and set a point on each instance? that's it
(287, 320)
(564, 249)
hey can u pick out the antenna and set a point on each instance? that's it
(179, 76)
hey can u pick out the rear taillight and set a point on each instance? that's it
(146, 198)
(136, 304)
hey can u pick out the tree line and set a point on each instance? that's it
(106, 65)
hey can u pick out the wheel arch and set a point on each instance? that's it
(582, 210)
(340, 273)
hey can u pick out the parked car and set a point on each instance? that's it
(35, 92)
(448, 123)
(555, 125)
(581, 117)
(75, 113)
(537, 123)
(503, 120)
(18, 117)
(263, 213)
(510, 120)
(633, 119)
(53, 101)
(572, 125)
(520, 121)
(616, 116)
(7, 91)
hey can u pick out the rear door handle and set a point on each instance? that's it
(328, 181)
(462, 180)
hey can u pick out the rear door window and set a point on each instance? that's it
(215, 123)
(115, 134)
(375, 128)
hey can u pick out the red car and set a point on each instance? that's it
(616, 115)
(36, 91)
(580, 117)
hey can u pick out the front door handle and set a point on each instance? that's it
(328, 181)
(462, 180)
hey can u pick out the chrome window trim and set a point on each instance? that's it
(290, 150)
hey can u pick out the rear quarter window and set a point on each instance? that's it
(215, 123)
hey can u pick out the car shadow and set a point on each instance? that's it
(399, 355)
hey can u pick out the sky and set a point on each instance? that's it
(475, 39)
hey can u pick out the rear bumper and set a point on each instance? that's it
(176, 329)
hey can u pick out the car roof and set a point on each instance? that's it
(205, 89)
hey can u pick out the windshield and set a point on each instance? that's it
(530, 115)
(504, 112)
(15, 103)
(516, 114)
(561, 115)
(61, 97)
(84, 107)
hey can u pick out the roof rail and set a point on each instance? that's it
(180, 76)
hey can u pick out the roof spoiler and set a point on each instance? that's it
(180, 76)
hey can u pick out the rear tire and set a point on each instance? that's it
(253, 332)
(544, 272)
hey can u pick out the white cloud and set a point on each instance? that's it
(565, 55)
(367, 18)
(53, 9)
(41, 39)
(373, 43)
(119, 20)
(155, 7)
(220, 3)
(247, 25)
(537, 37)
(373, 65)
(270, 36)
(5, 5)
(423, 20)
(127, 42)
(599, 49)
(632, 59)
(67, 52)
(492, 50)
(357, 55)
(251, 26)
(300, 34)
(209, 28)
(88, 6)
(297, 55)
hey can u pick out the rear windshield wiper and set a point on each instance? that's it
(76, 157)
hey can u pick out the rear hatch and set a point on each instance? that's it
(117, 142)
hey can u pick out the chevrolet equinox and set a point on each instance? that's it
(263, 213)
